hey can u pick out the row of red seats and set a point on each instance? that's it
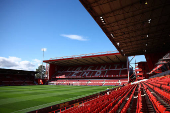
(157, 105)
(158, 90)
(128, 102)
(165, 95)
(86, 106)
(121, 101)
(115, 96)
(98, 104)
(164, 87)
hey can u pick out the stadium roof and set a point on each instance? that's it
(88, 59)
(13, 71)
(135, 27)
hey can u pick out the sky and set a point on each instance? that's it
(63, 27)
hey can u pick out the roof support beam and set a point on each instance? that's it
(94, 60)
(131, 59)
(102, 59)
(82, 62)
(110, 59)
(88, 61)
(118, 58)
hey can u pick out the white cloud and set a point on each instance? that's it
(9, 62)
(14, 59)
(17, 63)
(74, 37)
(36, 61)
(27, 65)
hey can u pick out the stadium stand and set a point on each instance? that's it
(147, 96)
(90, 71)
(10, 77)
(93, 68)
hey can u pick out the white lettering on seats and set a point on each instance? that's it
(68, 69)
(75, 73)
(98, 73)
(78, 69)
(90, 67)
(85, 73)
(116, 65)
(103, 67)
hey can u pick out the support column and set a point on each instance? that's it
(51, 70)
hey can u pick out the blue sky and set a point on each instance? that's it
(64, 27)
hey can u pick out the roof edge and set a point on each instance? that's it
(83, 56)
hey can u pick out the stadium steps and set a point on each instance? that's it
(146, 103)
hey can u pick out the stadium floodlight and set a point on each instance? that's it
(118, 43)
(149, 21)
(43, 49)
(112, 35)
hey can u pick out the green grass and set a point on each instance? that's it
(21, 99)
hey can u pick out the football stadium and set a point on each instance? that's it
(103, 82)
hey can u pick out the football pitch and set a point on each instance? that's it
(21, 99)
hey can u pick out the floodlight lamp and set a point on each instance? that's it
(112, 35)
(147, 35)
(101, 17)
(146, 3)
(44, 49)
(149, 21)
(103, 21)
(118, 43)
